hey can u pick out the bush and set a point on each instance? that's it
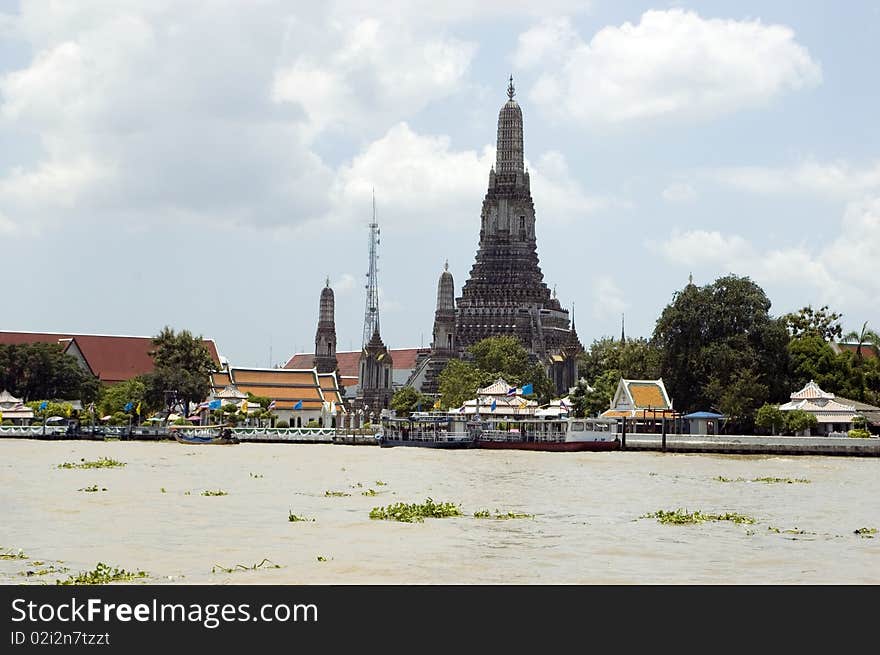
(282, 424)
(859, 434)
(313, 424)
(797, 420)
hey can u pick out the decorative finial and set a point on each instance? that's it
(511, 91)
(446, 265)
(554, 291)
(690, 278)
(327, 283)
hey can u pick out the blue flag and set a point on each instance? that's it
(527, 389)
(299, 404)
(494, 405)
(44, 404)
(511, 391)
(214, 404)
(128, 406)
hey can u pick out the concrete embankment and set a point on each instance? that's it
(755, 445)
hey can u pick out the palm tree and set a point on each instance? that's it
(865, 337)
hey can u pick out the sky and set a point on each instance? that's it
(207, 165)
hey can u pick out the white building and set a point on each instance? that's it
(833, 416)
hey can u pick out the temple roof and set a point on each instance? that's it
(811, 390)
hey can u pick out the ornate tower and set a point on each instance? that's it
(425, 376)
(325, 337)
(506, 293)
(375, 368)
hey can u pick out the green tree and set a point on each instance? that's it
(603, 389)
(797, 420)
(44, 370)
(408, 400)
(459, 382)
(182, 364)
(718, 337)
(503, 357)
(812, 358)
(115, 397)
(636, 359)
(806, 322)
(770, 417)
(864, 338)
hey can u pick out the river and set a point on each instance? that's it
(586, 525)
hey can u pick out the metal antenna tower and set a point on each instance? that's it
(371, 312)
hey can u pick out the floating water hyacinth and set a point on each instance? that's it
(100, 463)
(411, 513)
(683, 517)
(103, 574)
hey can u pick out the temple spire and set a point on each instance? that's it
(511, 90)
(622, 331)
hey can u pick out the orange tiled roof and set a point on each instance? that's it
(278, 376)
(112, 358)
(348, 361)
(646, 394)
(639, 413)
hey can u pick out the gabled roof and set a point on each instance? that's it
(348, 361)
(287, 386)
(641, 394)
(112, 358)
(497, 388)
(869, 351)
(811, 390)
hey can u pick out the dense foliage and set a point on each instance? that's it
(721, 349)
(182, 364)
(407, 400)
(35, 371)
(492, 358)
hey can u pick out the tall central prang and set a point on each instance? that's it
(506, 293)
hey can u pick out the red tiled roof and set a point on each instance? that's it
(112, 358)
(347, 361)
(868, 350)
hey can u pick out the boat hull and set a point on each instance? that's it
(206, 441)
(445, 445)
(553, 446)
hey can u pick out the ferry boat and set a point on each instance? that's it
(427, 430)
(203, 435)
(548, 433)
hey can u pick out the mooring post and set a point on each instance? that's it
(623, 435)
(663, 437)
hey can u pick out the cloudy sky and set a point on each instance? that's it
(207, 165)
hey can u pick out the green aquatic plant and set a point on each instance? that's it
(329, 493)
(46, 570)
(93, 488)
(379, 483)
(218, 492)
(187, 493)
(513, 515)
(486, 514)
(788, 531)
(721, 478)
(683, 517)
(293, 518)
(102, 574)
(256, 475)
(162, 489)
(369, 492)
(866, 532)
(769, 480)
(10, 554)
(264, 564)
(321, 558)
(100, 463)
(414, 512)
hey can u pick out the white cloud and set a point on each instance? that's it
(343, 284)
(672, 63)
(421, 180)
(550, 39)
(376, 70)
(837, 179)
(679, 192)
(608, 299)
(844, 273)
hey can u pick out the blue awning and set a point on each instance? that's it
(704, 415)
